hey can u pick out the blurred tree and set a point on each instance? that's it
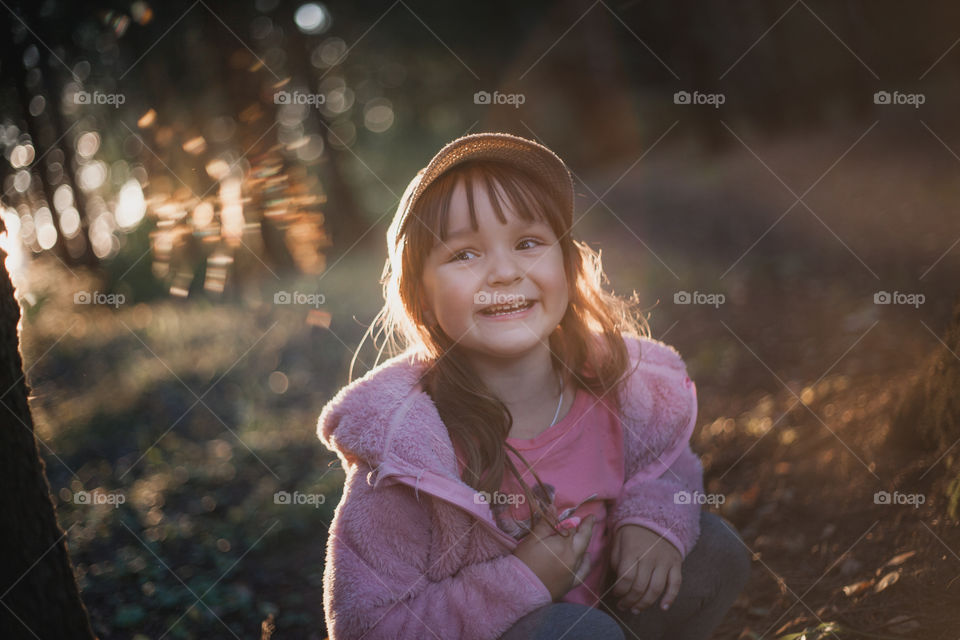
(37, 586)
(929, 416)
(43, 78)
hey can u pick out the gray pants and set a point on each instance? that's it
(714, 573)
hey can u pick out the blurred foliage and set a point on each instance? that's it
(247, 137)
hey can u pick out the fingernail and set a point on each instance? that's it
(634, 611)
(665, 605)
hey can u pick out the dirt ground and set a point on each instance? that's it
(799, 372)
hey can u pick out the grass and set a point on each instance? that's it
(170, 405)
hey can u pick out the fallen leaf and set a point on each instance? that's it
(886, 581)
(857, 587)
(792, 623)
(903, 624)
(906, 626)
(900, 559)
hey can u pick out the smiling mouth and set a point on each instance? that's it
(505, 309)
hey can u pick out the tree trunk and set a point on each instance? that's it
(37, 587)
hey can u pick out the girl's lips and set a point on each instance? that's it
(510, 316)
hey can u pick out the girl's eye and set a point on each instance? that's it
(465, 254)
(460, 256)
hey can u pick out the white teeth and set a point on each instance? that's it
(499, 309)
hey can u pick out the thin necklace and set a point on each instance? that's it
(559, 404)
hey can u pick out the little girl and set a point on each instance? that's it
(516, 369)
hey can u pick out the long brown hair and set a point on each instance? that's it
(587, 347)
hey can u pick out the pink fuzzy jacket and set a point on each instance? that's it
(412, 554)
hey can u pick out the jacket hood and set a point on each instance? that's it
(385, 416)
(385, 420)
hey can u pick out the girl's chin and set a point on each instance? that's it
(511, 344)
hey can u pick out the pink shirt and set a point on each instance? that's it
(578, 456)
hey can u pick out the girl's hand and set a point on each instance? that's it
(560, 561)
(647, 565)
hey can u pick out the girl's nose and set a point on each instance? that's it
(504, 270)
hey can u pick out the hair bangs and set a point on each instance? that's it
(506, 189)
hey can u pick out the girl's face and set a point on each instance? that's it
(470, 273)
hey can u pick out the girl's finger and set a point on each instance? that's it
(626, 574)
(584, 532)
(542, 529)
(582, 570)
(674, 581)
(638, 588)
(615, 551)
(569, 523)
(658, 580)
(543, 526)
